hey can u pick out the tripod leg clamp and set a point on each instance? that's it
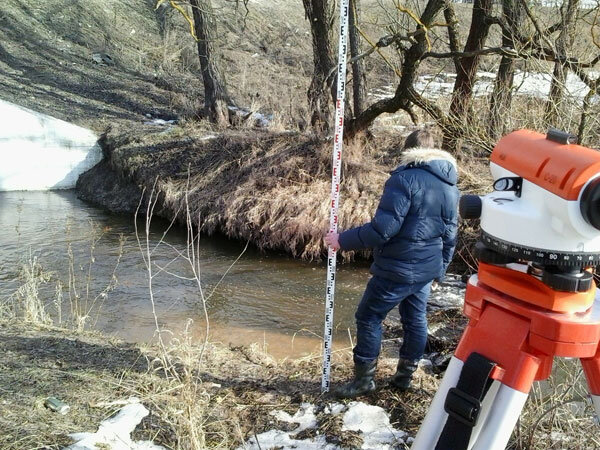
(462, 407)
(463, 403)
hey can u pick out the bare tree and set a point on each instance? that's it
(203, 27)
(523, 39)
(216, 98)
(359, 80)
(321, 90)
(405, 95)
(564, 43)
(500, 101)
(467, 69)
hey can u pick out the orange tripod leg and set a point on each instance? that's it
(522, 339)
(503, 337)
(591, 368)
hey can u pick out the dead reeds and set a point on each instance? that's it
(272, 190)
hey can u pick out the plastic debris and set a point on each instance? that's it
(54, 404)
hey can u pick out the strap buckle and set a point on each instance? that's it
(462, 407)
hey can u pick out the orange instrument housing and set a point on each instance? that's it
(545, 163)
(516, 320)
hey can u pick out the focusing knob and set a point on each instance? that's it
(567, 282)
(470, 207)
(489, 256)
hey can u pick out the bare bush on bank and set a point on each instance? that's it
(181, 360)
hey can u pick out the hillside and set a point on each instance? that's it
(47, 58)
(116, 66)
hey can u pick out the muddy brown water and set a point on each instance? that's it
(266, 298)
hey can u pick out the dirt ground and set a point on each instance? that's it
(239, 387)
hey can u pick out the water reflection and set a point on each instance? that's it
(265, 297)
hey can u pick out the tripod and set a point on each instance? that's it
(517, 325)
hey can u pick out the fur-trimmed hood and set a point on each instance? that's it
(439, 162)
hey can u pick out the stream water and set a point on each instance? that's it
(266, 298)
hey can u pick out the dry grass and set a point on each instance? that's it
(27, 303)
(201, 395)
(44, 298)
(269, 189)
(228, 400)
(558, 413)
(219, 405)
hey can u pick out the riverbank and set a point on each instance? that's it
(198, 394)
(195, 396)
(269, 189)
(221, 401)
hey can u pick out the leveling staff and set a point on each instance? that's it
(413, 235)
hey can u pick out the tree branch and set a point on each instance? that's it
(535, 23)
(505, 51)
(385, 41)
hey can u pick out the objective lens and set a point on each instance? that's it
(590, 203)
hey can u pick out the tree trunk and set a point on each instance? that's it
(319, 13)
(584, 119)
(453, 36)
(564, 42)
(467, 70)
(216, 97)
(501, 99)
(359, 80)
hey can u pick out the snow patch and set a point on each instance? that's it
(531, 84)
(40, 152)
(115, 433)
(208, 137)
(281, 440)
(374, 425)
(305, 417)
(448, 294)
(160, 122)
(255, 118)
(371, 422)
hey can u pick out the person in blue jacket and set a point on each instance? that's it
(413, 235)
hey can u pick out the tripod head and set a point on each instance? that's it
(545, 208)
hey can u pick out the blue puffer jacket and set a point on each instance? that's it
(413, 232)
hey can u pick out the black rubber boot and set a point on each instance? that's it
(363, 383)
(404, 373)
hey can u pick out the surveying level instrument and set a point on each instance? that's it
(533, 297)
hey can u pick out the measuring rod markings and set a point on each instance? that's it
(335, 192)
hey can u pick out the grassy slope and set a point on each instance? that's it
(46, 64)
(45, 60)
